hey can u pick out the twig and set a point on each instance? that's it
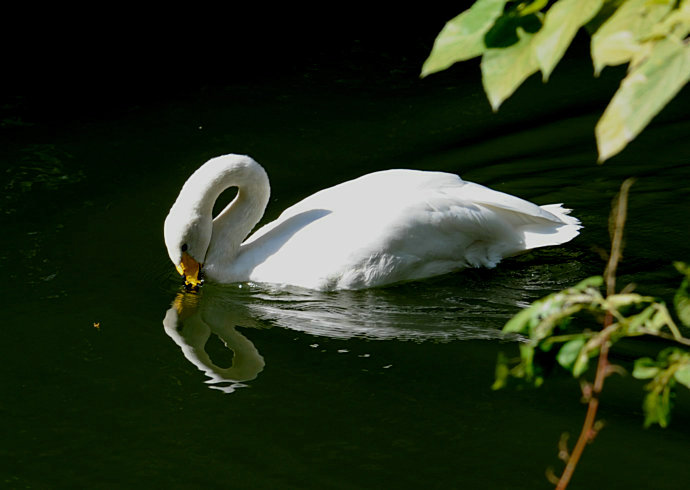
(590, 418)
(588, 431)
(618, 215)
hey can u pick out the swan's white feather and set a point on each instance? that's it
(392, 226)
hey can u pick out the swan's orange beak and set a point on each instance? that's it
(190, 269)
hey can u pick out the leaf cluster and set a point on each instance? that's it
(517, 39)
(546, 327)
(672, 366)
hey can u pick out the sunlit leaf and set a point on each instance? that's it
(645, 368)
(540, 318)
(682, 375)
(660, 319)
(504, 32)
(618, 39)
(504, 69)
(582, 362)
(568, 353)
(607, 10)
(636, 322)
(532, 7)
(462, 38)
(594, 281)
(520, 322)
(620, 300)
(562, 21)
(676, 23)
(642, 94)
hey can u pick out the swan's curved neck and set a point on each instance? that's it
(236, 221)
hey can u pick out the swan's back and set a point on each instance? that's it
(397, 225)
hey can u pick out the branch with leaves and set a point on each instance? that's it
(517, 39)
(548, 332)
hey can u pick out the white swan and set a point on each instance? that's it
(382, 228)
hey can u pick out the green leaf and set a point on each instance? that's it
(462, 38)
(645, 368)
(504, 33)
(681, 300)
(618, 301)
(568, 354)
(682, 375)
(636, 322)
(657, 407)
(502, 372)
(562, 21)
(683, 268)
(618, 39)
(520, 322)
(504, 69)
(677, 23)
(527, 356)
(682, 303)
(660, 319)
(531, 8)
(642, 94)
(594, 281)
(582, 362)
(615, 41)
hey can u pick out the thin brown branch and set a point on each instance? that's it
(590, 426)
(618, 216)
(590, 418)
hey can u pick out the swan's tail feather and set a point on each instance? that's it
(563, 214)
(556, 208)
(540, 226)
(541, 235)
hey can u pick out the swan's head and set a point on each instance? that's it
(191, 237)
(187, 237)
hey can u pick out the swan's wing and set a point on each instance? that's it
(539, 226)
(481, 195)
(399, 225)
(370, 192)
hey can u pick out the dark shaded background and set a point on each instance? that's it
(116, 55)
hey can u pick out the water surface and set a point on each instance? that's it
(113, 377)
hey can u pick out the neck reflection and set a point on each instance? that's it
(192, 320)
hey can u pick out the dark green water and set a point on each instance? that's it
(375, 389)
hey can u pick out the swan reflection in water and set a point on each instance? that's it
(192, 320)
(416, 311)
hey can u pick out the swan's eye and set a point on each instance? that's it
(184, 247)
